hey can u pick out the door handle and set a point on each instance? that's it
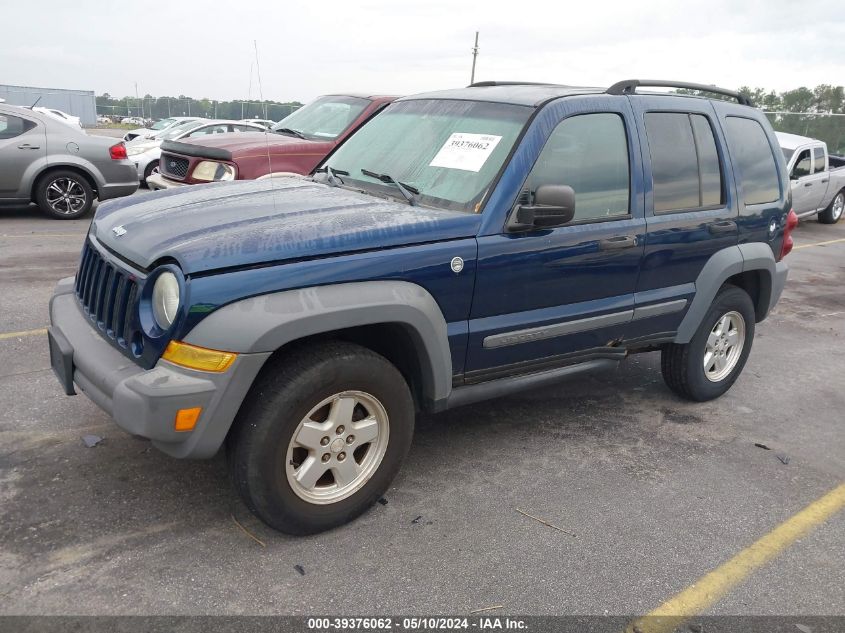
(729, 226)
(824, 181)
(808, 184)
(623, 241)
(28, 146)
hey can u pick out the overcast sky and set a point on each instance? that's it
(311, 47)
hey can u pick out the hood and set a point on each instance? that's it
(246, 223)
(246, 143)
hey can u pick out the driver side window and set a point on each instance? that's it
(588, 152)
(802, 165)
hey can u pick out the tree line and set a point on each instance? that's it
(151, 107)
(803, 111)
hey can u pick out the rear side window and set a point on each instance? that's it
(12, 126)
(755, 164)
(588, 152)
(818, 159)
(686, 170)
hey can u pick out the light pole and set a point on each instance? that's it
(474, 56)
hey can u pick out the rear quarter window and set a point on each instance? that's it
(753, 160)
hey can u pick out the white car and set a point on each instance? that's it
(145, 153)
(133, 120)
(59, 115)
(267, 123)
(157, 127)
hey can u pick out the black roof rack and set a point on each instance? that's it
(486, 84)
(629, 87)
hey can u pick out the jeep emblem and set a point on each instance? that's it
(118, 231)
(457, 264)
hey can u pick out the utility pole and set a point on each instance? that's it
(474, 56)
(168, 106)
(138, 99)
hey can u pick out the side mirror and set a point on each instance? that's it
(554, 205)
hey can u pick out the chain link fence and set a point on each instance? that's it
(829, 128)
(162, 107)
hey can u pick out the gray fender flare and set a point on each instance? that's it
(267, 322)
(725, 264)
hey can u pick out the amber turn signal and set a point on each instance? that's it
(186, 419)
(201, 358)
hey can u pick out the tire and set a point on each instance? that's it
(151, 169)
(683, 365)
(319, 382)
(835, 209)
(64, 195)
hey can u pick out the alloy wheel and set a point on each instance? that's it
(337, 447)
(724, 346)
(66, 196)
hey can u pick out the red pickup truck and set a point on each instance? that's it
(295, 144)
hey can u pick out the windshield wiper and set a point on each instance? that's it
(332, 175)
(288, 131)
(408, 191)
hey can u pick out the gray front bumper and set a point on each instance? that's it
(145, 402)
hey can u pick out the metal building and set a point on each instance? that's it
(81, 103)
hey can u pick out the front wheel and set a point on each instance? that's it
(151, 169)
(708, 365)
(833, 213)
(320, 436)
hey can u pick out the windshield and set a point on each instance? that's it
(160, 125)
(178, 130)
(449, 151)
(323, 119)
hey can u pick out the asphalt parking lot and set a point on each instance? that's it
(652, 492)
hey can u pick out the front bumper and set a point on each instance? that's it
(145, 402)
(157, 181)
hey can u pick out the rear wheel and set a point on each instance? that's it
(834, 211)
(320, 437)
(64, 195)
(708, 365)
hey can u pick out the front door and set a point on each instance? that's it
(22, 143)
(557, 295)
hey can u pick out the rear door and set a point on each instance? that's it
(690, 207)
(22, 143)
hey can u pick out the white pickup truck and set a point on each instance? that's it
(817, 179)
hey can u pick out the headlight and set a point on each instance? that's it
(211, 170)
(165, 299)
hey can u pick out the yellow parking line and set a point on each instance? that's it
(5, 335)
(712, 587)
(795, 248)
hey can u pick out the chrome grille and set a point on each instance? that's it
(175, 166)
(106, 295)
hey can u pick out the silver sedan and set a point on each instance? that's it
(60, 168)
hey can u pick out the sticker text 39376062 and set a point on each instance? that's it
(466, 151)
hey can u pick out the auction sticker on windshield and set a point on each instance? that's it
(465, 151)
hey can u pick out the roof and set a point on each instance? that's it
(794, 141)
(517, 94)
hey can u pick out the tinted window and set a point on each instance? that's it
(12, 126)
(818, 159)
(802, 165)
(709, 168)
(589, 153)
(753, 160)
(685, 163)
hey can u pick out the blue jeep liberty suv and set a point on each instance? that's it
(460, 246)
